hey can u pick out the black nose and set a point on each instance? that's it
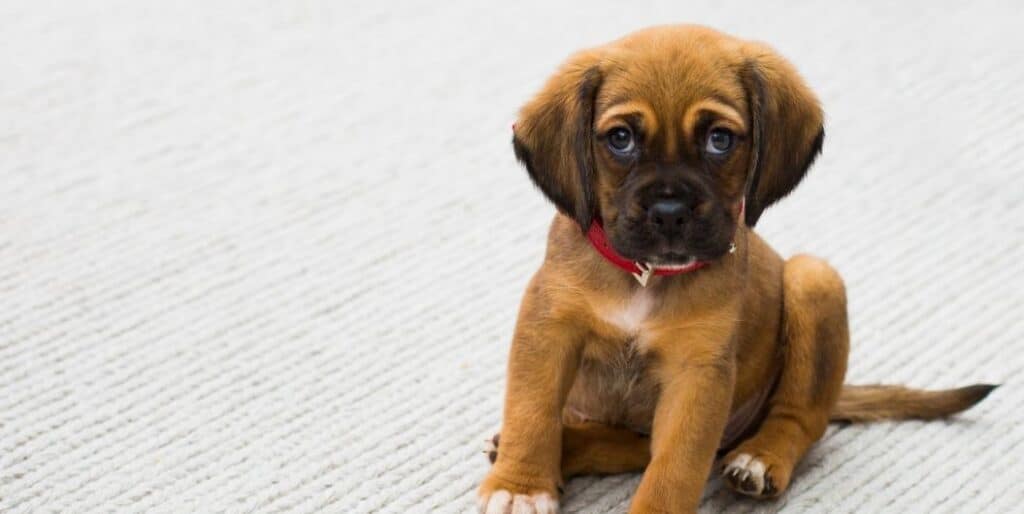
(667, 213)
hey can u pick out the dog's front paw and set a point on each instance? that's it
(502, 501)
(754, 475)
(498, 496)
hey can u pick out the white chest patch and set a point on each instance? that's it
(630, 315)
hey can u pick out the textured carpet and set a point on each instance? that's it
(263, 257)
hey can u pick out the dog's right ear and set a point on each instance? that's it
(554, 137)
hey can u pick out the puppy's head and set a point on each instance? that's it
(661, 135)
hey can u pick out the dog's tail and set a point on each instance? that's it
(880, 402)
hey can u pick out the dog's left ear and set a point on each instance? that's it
(554, 137)
(787, 128)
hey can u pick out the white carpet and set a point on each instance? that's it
(264, 257)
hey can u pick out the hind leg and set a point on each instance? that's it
(815, 346)
(596, 449)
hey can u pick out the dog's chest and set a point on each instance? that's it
(613, 384)
(615, 387)
(630, 315)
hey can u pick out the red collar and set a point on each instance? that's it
(641, 271)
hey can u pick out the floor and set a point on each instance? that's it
(266, 256)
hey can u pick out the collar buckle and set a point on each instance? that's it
(642, 276)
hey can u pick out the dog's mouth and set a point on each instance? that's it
(659, 254)
(637, 242)
(681, 257)
(673, 261)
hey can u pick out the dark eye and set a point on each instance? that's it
(719, 141)
(620, 141)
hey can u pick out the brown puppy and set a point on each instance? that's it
(663, 148)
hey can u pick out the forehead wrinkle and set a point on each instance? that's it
(716, 107)
(626, 109)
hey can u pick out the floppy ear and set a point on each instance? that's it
(786, 124)
(554, 137)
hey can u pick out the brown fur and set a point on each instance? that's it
(746, 356)
(880, 402)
